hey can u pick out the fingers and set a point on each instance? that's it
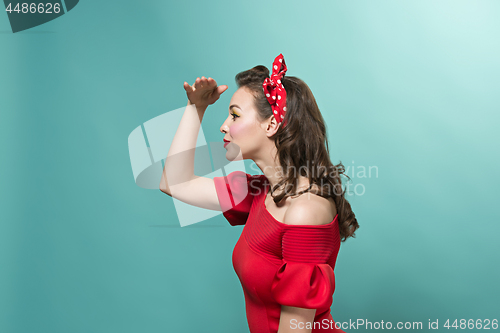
(197, 83)
(188, 87)
(211, 83)
(200, 83)
(204, 83)
(221, 89)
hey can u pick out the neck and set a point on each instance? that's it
(269, 165)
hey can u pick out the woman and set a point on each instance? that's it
(295, 214)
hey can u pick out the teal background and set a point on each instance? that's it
(410, 87)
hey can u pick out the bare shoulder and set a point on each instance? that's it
(310, 209)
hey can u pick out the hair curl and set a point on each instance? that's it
(302, 145)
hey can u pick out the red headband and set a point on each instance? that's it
(275, 91)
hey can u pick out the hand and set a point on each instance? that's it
(204, 92)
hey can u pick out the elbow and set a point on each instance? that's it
(164, 186)
(165, 189)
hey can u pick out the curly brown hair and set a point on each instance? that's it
(302, 144)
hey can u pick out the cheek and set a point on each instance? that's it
(237, 130)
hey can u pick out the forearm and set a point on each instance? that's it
(296, 320)
(179, 164)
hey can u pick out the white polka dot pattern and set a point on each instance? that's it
(274, 92)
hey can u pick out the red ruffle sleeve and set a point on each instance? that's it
(305, 278)
(236, 192)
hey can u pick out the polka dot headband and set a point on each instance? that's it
(275, 91)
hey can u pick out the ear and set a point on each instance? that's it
(271, 126)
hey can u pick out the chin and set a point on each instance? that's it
(234, 153)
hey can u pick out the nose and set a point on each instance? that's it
(224, 128)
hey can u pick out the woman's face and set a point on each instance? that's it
(242, 127)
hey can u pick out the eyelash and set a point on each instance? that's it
(234, 115)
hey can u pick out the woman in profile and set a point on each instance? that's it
(295, 214)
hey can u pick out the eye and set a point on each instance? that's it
(234, 115)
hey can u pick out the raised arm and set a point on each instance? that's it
(178, 179)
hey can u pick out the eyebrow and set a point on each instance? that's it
(234, 106)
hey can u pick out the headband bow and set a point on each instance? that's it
(275, 91)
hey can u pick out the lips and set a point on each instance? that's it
(225, 142)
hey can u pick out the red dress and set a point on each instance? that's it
(278, 264)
